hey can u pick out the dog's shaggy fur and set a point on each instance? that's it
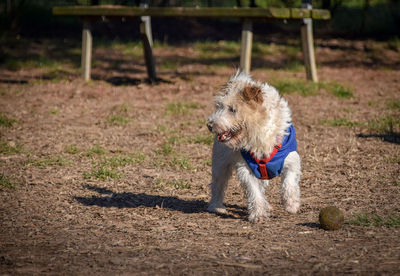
(250, 116)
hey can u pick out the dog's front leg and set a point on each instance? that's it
(258, 206)
(221, 172)
(290, 188)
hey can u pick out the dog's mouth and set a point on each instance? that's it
(226, 136)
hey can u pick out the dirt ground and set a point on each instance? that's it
(111, 176)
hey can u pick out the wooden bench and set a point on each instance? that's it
(90, 13)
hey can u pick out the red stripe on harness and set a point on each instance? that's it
(262, 163)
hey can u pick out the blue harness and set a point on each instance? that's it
(272, 165)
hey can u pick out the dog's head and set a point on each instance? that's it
(241, 112)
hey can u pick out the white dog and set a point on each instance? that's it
(254, 135)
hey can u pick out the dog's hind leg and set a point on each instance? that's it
(290, 188)
(221, 172)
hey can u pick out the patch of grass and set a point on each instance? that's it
(340, 122)
(131, 48)
(218, 49)
(393, 104)
(306, 88)
(102, 173)
(6, 121)
(203, 139)
(58, 74)
(95, 150)
(106, 168)
(393, 159)
(6, 182)
(394, 44)
(373, 103)
(167, 64)
(14, 64)
(296, 86)
(179, 108)
(294, 66)
(119, 115)
(54, 111)
(340, 91)
(178, 184)
(124, 160)
(181, 162)
(386, 124)
(207, 162)
(372, 220)
(118, 119)
(51, 161)
(166, 149)
(9, 148)
(72, 149)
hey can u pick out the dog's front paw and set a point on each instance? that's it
(258, 217)
(292, 206)
(216, 209)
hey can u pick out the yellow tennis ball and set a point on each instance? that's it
(331, 218)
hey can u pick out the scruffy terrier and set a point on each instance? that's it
(254, 134)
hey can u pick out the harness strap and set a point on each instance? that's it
(262, 163)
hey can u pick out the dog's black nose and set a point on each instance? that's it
(209, 125)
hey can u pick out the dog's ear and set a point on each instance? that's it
(252, 93)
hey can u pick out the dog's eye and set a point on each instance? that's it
(231, 109)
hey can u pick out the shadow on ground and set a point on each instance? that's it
(109, 198)
(388, 137)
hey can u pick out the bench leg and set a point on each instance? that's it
(247, 39)
(86, 58)
(147, 41)
(307, 42)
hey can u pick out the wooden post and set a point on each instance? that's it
(86, 58)
(147, 41)
(307, 41)
(247, 39)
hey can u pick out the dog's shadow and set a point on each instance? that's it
(109, 198)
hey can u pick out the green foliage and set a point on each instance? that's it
(119, 115)
(296, 86)
(394, 44)
(179, 108)
(107, 167)
(118, 119)
(6, 121)
(385, 124)
(72, 149)
(178, 184)
(6, 182)
(372, 220)
(50, 161)
(203, 139)
(340, 91)
(102, 173)
(166, 148)
(7, 148)
(393, 159)
(217, 49)
(54, 111)
(340, 122)
(181, 162)
(168, 64)
(14, 64)
(123, 160)
(393, 104)
(95, 150)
